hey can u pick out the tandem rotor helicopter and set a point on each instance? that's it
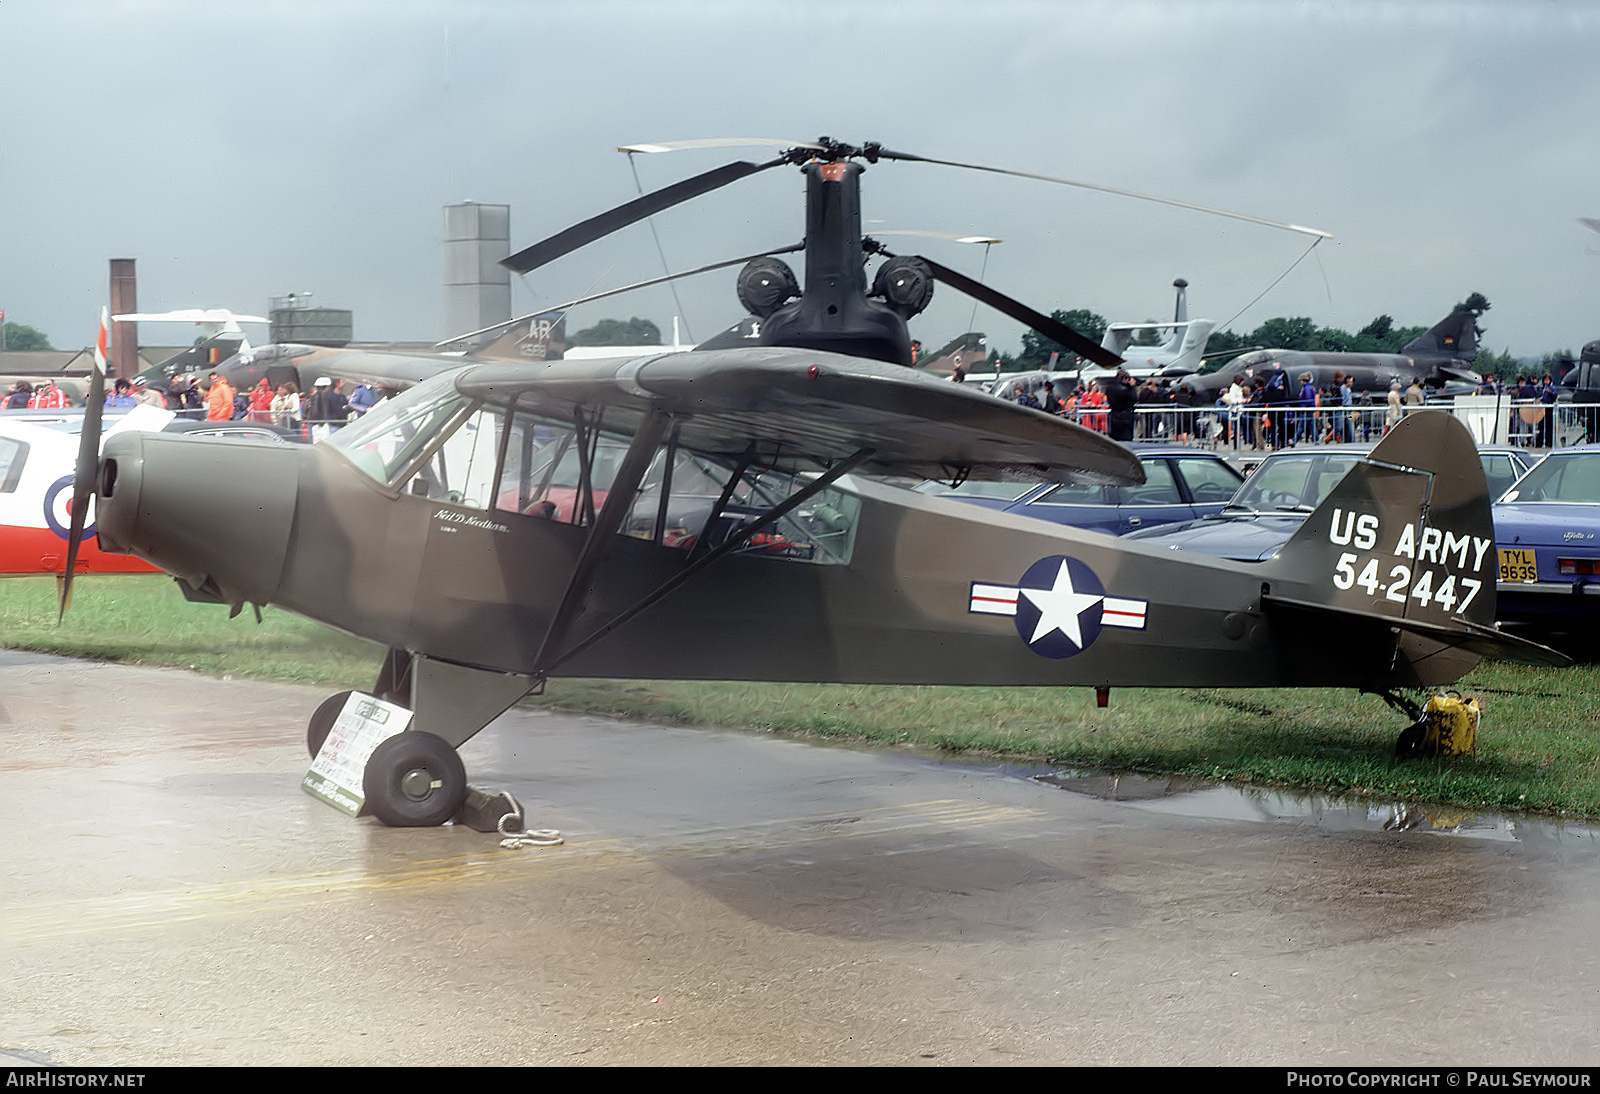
(716, 514)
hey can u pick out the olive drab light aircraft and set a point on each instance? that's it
(718, 514)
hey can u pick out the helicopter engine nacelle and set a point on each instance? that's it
(835, 313)
(905, 283)
(765, 285)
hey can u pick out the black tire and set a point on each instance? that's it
(414, 780)
(322, 720)
(1409, 746)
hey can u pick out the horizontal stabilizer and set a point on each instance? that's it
(1481, 640)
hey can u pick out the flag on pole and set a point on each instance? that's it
(102, 340)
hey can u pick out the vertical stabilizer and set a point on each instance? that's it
(1456, 335)
(1407, 533)
(1396, 569)
(1193, 346)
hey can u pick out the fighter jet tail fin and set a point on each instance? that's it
(1456, 334)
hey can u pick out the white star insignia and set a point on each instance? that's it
(1059, 608)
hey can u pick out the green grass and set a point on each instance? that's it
(1539, 748)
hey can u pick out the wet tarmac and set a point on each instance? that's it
(172, 897)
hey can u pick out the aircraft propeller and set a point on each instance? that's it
(83, 475)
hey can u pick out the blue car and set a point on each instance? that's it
(1283, 490)
(1180, 484)
(1547, 532)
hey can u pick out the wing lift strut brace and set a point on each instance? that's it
(619, 498)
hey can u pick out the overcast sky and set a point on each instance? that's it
(240, 150)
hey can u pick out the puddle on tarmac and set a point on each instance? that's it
(1199, 798)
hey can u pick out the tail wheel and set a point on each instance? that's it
(414, 780)
(322, 720)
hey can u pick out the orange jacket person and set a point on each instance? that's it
(219, 401)
(261, 402)
(48, 397)
(1095, 403)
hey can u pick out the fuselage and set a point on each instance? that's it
(928, 591)
(1373, 373)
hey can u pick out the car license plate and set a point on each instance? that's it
(1517, 565)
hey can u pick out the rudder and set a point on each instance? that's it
(1407, 534)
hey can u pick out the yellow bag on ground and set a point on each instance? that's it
(1452, 726)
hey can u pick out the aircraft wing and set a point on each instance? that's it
(396, 370)
(189, 315)
(804, 409)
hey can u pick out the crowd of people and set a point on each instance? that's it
(1269, 410)
(328, 407)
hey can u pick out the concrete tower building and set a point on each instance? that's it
(477, 289)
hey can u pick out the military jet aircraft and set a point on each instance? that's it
(1180, 354)
(713, 515)
(221, 337)
(1438, 359)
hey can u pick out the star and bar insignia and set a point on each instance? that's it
(1059, 606)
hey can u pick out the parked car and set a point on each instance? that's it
(1547, 533)
(70, 420)
(1180, 484)
(1283, 490)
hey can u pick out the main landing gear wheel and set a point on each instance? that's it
(414, 780)
(322, 720)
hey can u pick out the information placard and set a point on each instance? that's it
(335, 775)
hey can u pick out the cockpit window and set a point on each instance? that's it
(391, 437)
(13, 454)
(553, 472)
(435, 443)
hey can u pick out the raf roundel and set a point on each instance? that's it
(58, 509)
(1059, 606)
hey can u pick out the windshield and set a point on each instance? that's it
(1561, 478)
(390, 436)
(1293, 482)
(433, 442)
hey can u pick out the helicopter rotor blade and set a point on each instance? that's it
(597, 227)
(563, 308)
(884, 153)
(1051, 328)
(716, 142)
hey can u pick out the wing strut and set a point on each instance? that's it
(704, 537)
(542, 668)
(618, 500)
